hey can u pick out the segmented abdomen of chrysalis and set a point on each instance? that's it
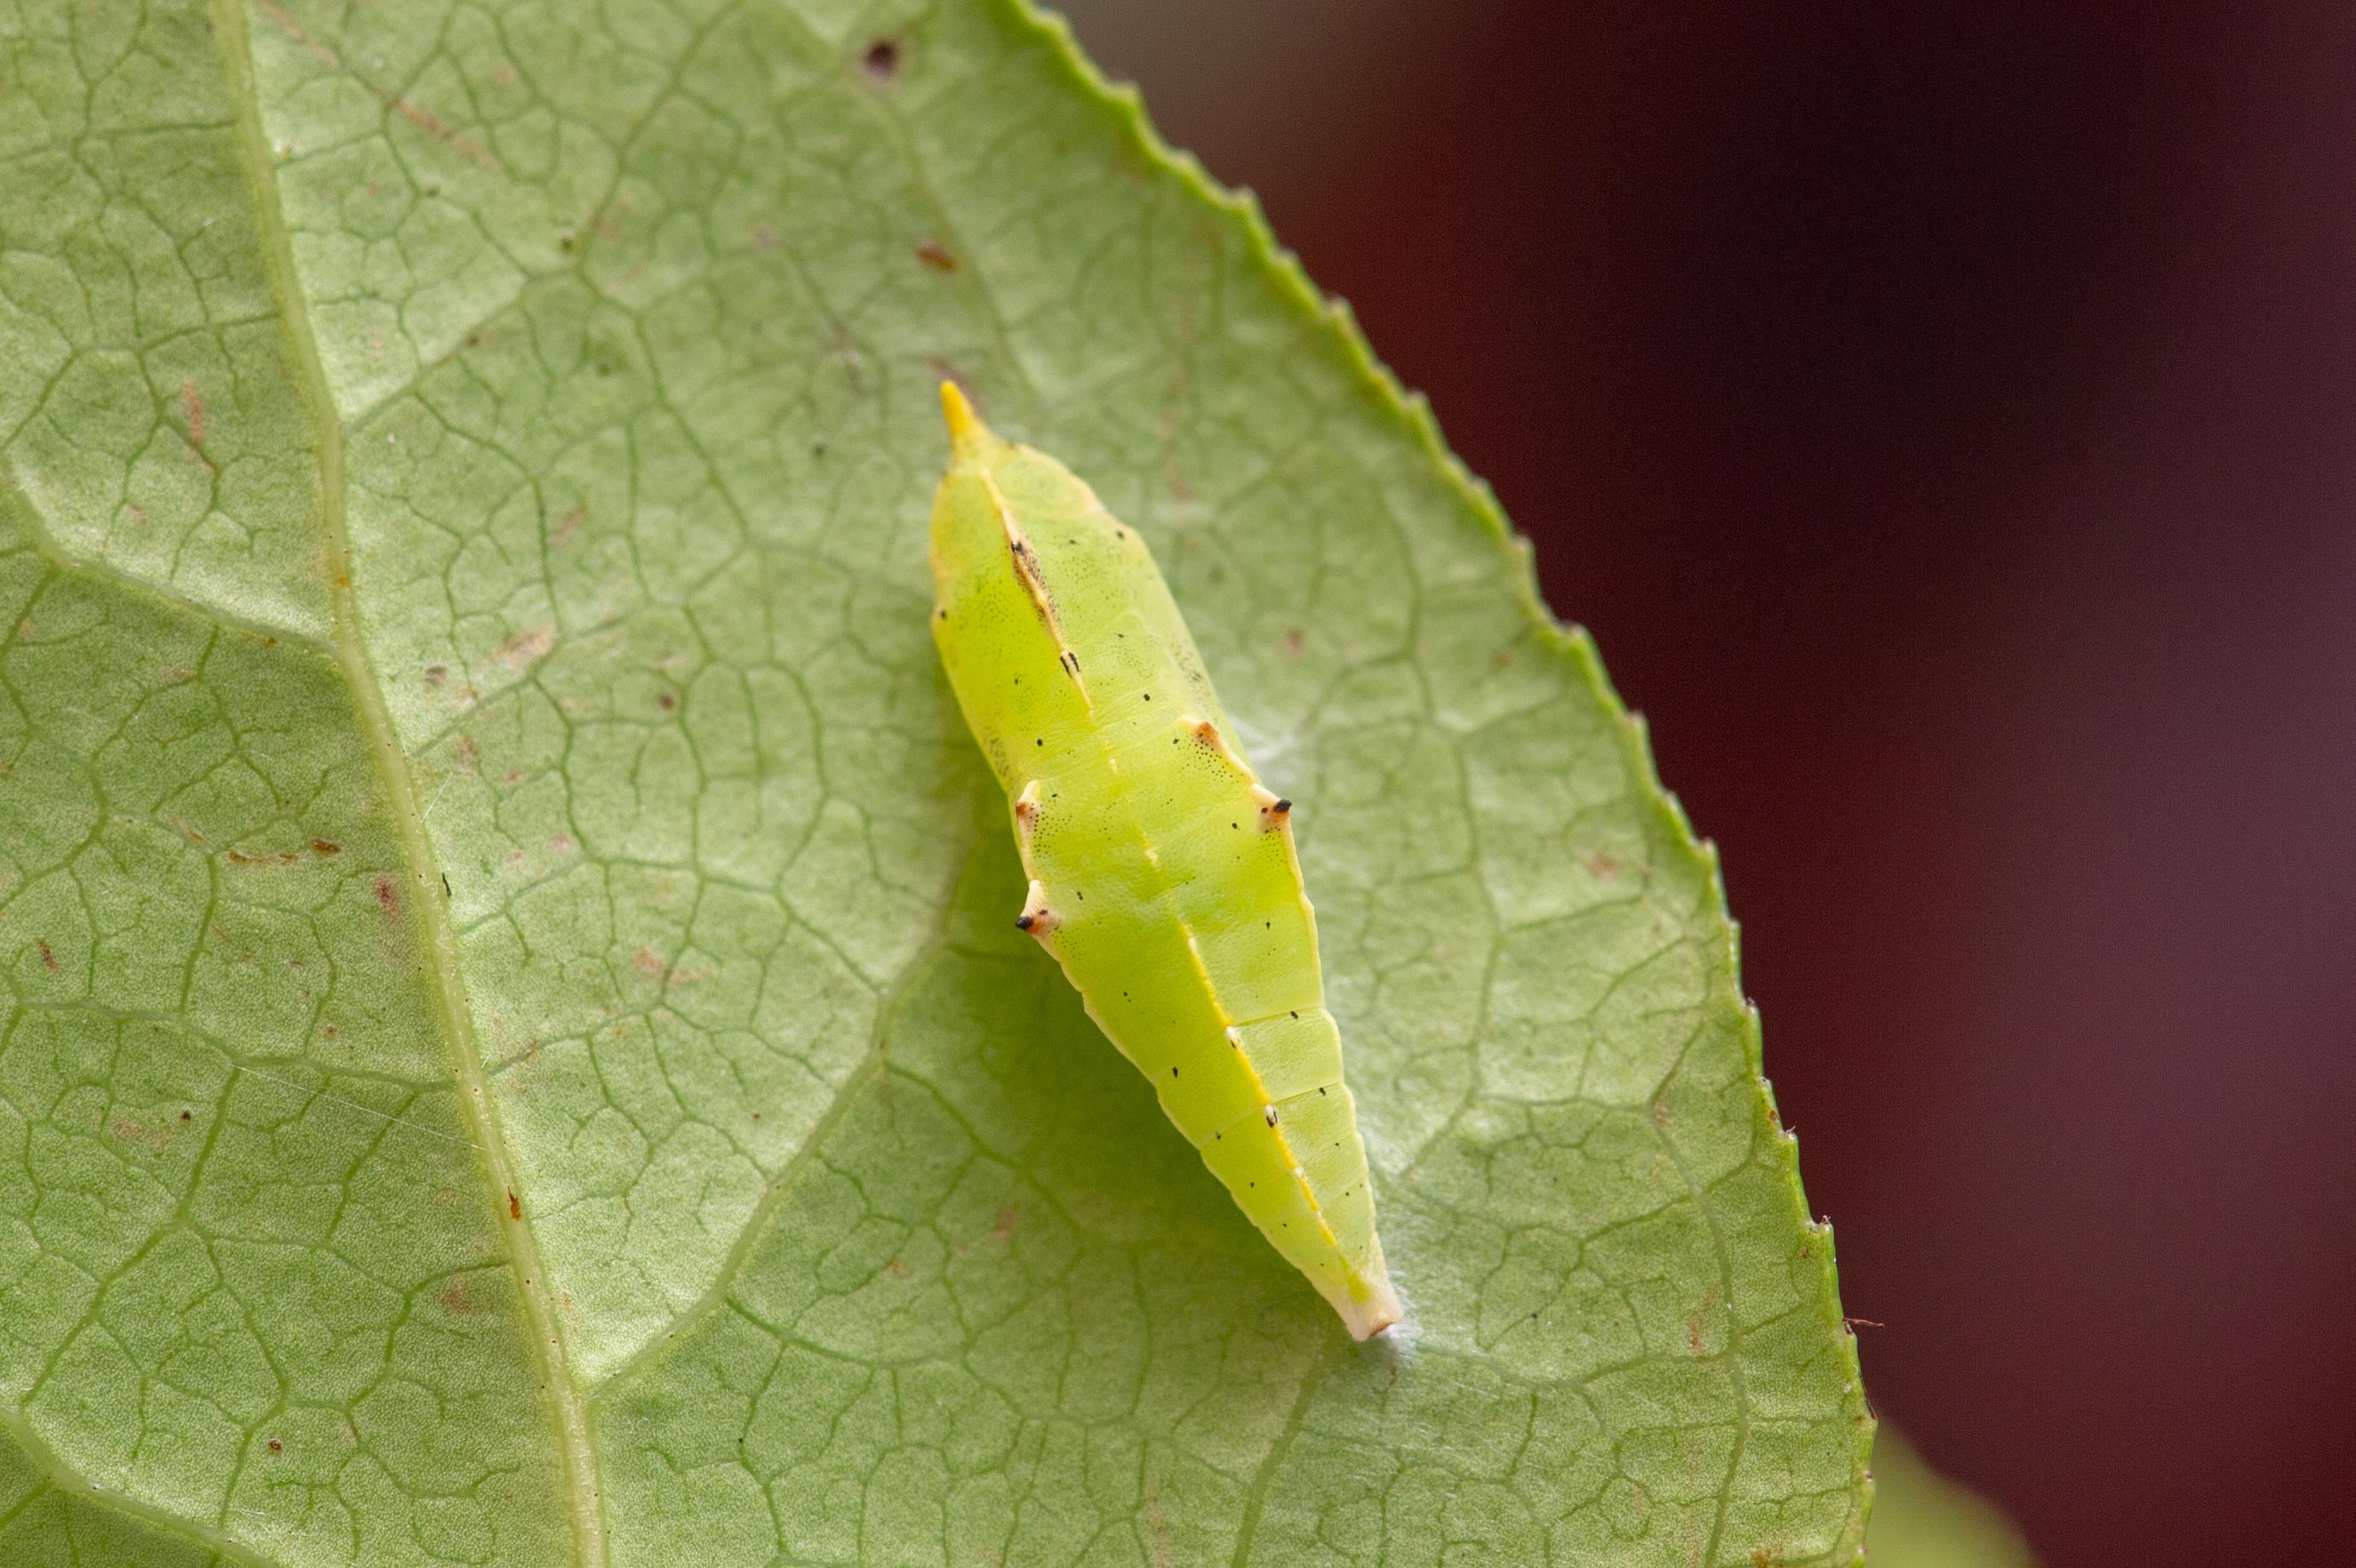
(1161, 872)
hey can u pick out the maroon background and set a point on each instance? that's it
(1944, 416)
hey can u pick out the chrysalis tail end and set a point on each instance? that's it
(1370, 1306)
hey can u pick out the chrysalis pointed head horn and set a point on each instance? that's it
(970, 441)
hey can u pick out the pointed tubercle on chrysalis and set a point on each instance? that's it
(970, 441)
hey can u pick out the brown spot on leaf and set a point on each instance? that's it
(566, 526)
(431, 123)
(388, 896)
(1599, 864)
(646, 963)
(1694, 1323)
(288, 25)
(469, 755)
(192, 406)
(515, 1205)
(525, 648)
(942, 371)
(881, 61)
(286, 22)
(1008, 1218)
(48, 959)
(323, 846)
(275, 1446)
(936, 255)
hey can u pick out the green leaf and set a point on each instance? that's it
(1922, 1519)
(512, 1048)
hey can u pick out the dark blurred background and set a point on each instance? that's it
(1945, 418)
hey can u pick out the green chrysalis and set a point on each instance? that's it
(1163, 874)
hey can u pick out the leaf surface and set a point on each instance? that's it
(1923, 1520)
(512, 1044)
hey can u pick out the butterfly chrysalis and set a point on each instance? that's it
(1161, 872)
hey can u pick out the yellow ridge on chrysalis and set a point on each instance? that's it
(1161, 873)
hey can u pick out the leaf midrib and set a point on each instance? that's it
(569, 1405)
